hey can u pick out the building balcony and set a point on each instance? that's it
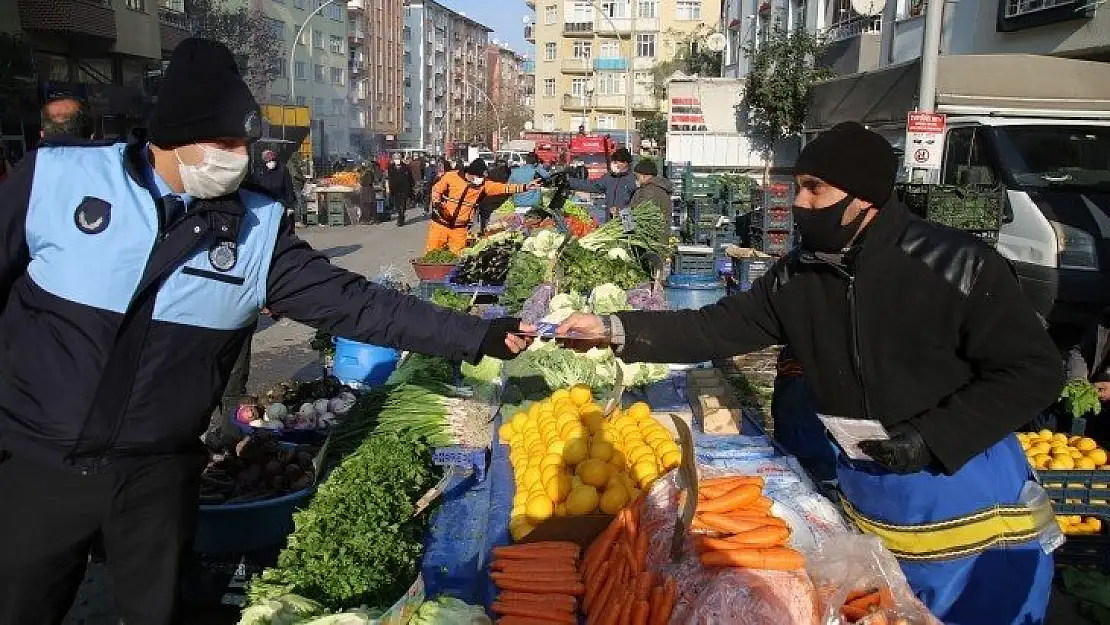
(357, 67)
(578, 29)
(642, 103)
(170, 15)
(528, 67)
(356, 5)
(356, 35)
(573, 102)
(853, 28)
(611, 64)
(609, 102)
(90, 18)
(576, 66)
(623, 25)
(530, 33)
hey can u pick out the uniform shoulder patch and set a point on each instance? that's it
(92, 215)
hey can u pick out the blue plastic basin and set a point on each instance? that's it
(692, 291)
(247, 527)
(362, 364)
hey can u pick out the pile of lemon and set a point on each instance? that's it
(1060, 452)
(569, 459)
(1073, 524)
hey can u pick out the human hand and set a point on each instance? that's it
(904, 452)
(501, 342)
(1103, 389)
(532, 186)
(588, 331)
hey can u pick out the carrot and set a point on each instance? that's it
(550, 550)
(523, 620)
(630, 558)
(538, 578)
(612, 613)
(771, 558)
(643, 586)
(592, 585)
(886, 598)
(559, 608)
(866, 602)
(560, 588)
(527, 566)
(766, 536)
(640, 612)
(656, 603)
(732, 525)
(631, 527)
(852, 613)
(604, 602)
(731, 481)
(752, 513)
(667, 601)
(733, 499)
(561, 602)
(641, 551)
(627, 602)
(762, 502)
(602, 544)
(856, 594)
(532, 611)
(735, 525)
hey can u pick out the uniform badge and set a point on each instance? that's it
(223, 256)
(92, 215)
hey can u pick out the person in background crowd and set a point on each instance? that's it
(140, 321)
(498, 173)
(917, 337)
(383, 161)
(459, 165)
(369, 179)
(1090, 360)
(651, 188)
(64, 119)
(416, 166)
(276, 180)
(399, 186)
(432, 172)
(529, 171)
(617, 184)
(454, 200)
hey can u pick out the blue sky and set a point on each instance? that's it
(505, 17)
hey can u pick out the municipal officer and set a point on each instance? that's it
(131, 275)
(915, 338)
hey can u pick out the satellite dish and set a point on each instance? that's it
(868, 7)
(717, 42)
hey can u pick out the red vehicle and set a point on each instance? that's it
(594, 152)
(550, 146)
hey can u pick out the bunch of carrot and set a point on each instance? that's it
(538, 583)
(870, 604)
(747, 534)
(619, 588)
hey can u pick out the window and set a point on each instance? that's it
(299, 70)
(581, 12)
(318, 106)
(577, 121)
(606, 122)
(614, 8)
(549, 87)
(645, 45)
(549, 122)
(610, 49)
(407, 32)
(318, 73)
(550, 15)
(335, 44)
(137, 5)
(1014, 8)
(300, 5)
(336, 10)
(337, 106)
(578, 87)
(582, 50)
(282, 68)
(317, 40)
(649, 8)
(337, 76)
(689, 10)
(610, 83)
(550, 52)
(301, 100)
(276, 27)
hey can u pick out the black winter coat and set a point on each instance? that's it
(925, 324)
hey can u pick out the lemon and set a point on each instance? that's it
(1086, 444)
(1046, 433)
(559, 394)
(592, 421)
(563, 419)
(1098, 456)
(582, 500)
(1073, 438)
(639, 454)
(531, 476)
(613, 499)
(1040, 448)
(671, 459)
(1061, 462)
(594, 472)
(556, 446)
(644, 470)
(639, 411)
(572, 430)
(575, 451)
(1075, 454)
(558, 487)
(1060, 438)
(534, 409)
(1085, 464)
(615, 479)
(550, 471)
(1041, 461)
(601, 450)
(581, 394)
(1095, 524)
(618, 460)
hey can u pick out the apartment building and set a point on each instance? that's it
(857, 43)
(377, 73)
(586, 50)
(100, 50)
(445, 77)
(507, 83)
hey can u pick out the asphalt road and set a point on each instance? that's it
(280, 352)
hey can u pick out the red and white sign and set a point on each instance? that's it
(924, 140)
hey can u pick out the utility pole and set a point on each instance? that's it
(930, 53)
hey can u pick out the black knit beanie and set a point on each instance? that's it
(202, 97)
(853, 159)
(477, 167)
(646, 167)
(621, 155)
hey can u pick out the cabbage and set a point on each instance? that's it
(563, 305)
(543, 244)
(449, 611)
(608, 298)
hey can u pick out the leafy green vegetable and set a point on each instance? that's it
(356, 543)
(583, 270)
(608, 298)
(439, 256)
(321, 342)
(648, 233)
(286, 609)
(526, 272)
(449, 611)
(1081, 397)
(450, 300)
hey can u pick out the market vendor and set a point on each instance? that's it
(128, 292)
(918, 337)
(618, 184)
(1090, 360)
(455, 199)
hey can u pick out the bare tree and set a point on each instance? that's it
(248, 33)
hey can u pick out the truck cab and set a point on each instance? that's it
(594, 152)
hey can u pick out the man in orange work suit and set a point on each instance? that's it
(454, 201)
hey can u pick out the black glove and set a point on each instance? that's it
(904, 452)
(493, 343)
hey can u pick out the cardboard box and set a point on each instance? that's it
(715, 402)
(581, 530)
(722, 421)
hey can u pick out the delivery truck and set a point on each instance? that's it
(1037, 125)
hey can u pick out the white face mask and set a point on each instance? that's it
(617, 169)
(271, 164)
(218, 174)
(477, 181)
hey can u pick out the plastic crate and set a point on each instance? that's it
(777, 218)
(1085, 493)
(779, 194)
(695, 262)
(776, 243)
(747, 270)
(1086, 550)
(311, 218)
(725, 236)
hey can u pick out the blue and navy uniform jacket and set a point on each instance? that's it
(618, 190)
(125, 306)
(523, 175)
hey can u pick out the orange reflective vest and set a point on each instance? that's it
(454, 200)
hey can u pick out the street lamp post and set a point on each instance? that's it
(292, 53)
(628, 70)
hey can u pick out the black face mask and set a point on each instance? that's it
(821, 229)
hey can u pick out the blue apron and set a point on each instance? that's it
(798, 430)
(964, 543)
